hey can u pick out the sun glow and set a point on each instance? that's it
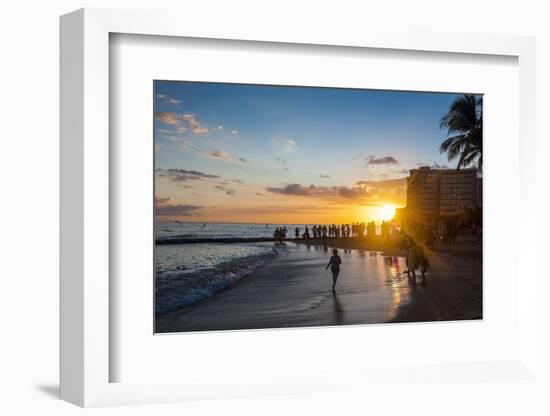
(387, 212)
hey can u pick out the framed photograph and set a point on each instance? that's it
(273, 211)
(273, 196)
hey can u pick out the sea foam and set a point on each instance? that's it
(178, 286)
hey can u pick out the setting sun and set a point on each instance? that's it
(387, 212)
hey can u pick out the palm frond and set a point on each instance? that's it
(444, 147)
(464, 122)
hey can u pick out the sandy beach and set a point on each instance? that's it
(294, 290)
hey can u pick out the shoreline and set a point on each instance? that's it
(362, 243)
(293, 290)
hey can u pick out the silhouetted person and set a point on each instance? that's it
(334, 264)
(423, 263)
(412, 263)
(277, 235)
(297, 233)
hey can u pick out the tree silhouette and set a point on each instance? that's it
(464, 122)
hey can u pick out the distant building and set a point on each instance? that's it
(440, 192)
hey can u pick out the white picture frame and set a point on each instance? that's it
(85, 217)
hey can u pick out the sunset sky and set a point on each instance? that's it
(294, 155)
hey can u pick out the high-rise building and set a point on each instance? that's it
(440, 192)
(423, 191)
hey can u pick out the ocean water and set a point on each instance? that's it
(173, 230)
(189, 273)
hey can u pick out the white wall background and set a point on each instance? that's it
(29, 209)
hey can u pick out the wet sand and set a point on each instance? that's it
(294, 290)
(454, 281)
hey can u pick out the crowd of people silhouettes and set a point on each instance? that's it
(279, 235)
(318, 231)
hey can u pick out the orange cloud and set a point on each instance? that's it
(182, 122)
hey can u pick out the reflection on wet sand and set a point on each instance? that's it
(339, 314)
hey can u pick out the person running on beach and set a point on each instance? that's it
(334, 264)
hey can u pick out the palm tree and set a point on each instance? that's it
(464, 122)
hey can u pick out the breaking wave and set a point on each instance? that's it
(178, 286)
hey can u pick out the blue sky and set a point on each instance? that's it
(246, 142)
